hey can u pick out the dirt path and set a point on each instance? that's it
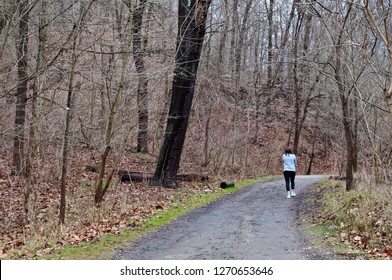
(258, 222)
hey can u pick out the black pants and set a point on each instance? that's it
(289, 177)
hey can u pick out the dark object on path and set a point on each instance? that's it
(227, 184)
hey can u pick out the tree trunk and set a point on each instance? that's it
(237, 75)
(233, 32)
(18, 161)
(297, 89)
(270, 58)
(258, 53)
(344, 106)
(191, 29)
(313, 141)
(138, 55)
(32, 171)
(206, 150)
(66, 137)
(70, 92)
(65, 151)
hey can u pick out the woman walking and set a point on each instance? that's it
(289, 166)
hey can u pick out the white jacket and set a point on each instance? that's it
(289, 162)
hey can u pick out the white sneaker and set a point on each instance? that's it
(288, 195)
(293, 194)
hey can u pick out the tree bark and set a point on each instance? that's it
(32, 171)
(233, 32)
(270, 58)
(70, 95)
(18, 160)
(138, 55)
(192, 17)
(344, 106)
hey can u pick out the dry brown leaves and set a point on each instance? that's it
(375, 241)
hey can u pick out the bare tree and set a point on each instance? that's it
(304, 83)
(19, 163)
(382, 28)
(344, 100)
(75, 55)
(32, 171)
(238, 51)
(139, 45)
(103, 185)
(192, 17)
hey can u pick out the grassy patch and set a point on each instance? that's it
(356, 223)
(105, 247)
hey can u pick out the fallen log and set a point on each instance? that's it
(127, 176)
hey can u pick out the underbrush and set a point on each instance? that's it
(359, 220)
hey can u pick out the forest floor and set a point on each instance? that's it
(127, 208)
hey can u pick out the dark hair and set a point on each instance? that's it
(288, 151)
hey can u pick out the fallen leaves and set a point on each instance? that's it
(376, 244)
(385, 253)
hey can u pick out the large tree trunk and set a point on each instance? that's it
(191, 29)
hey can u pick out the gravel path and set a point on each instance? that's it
(258, 222)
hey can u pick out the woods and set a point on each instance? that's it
(175, 87)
